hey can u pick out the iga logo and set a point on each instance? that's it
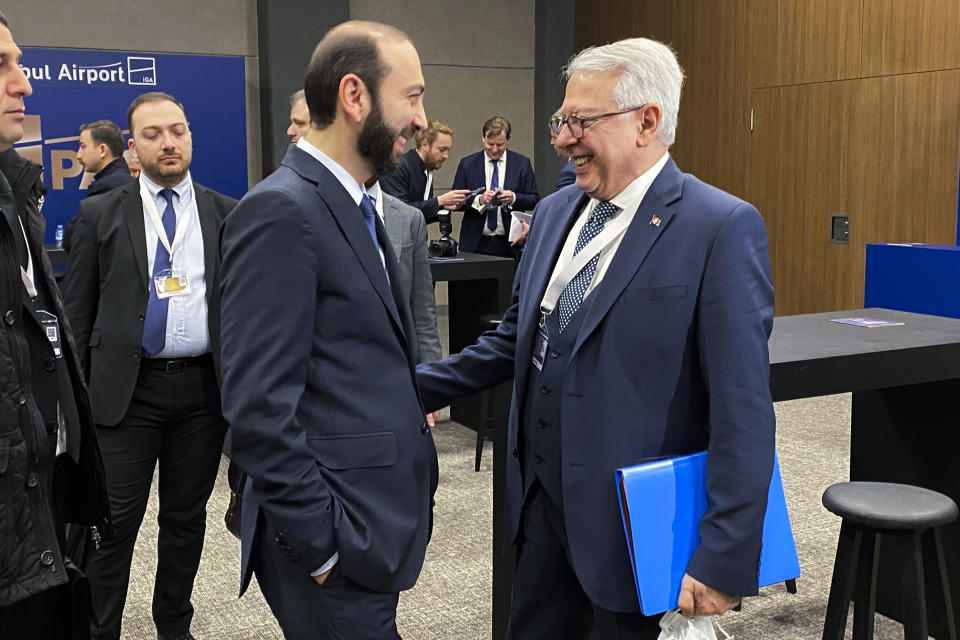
(141, 71)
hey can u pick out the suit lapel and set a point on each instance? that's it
(637, 241)
(208, 231)
(348, 217)
(132, 211)
(393, 223)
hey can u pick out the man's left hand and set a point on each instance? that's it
(506, 197)
(522, 238)
(433, 419)
(697, 599)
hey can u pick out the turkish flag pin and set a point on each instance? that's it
(655, 221)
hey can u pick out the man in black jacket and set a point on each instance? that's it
(100, 152)
(412, 181)
(141, 291)
(50, 466)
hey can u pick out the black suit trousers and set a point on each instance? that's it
(548, 602)
(173, 419)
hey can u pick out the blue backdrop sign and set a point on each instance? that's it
(75, 86)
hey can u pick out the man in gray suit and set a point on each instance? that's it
(407, 231)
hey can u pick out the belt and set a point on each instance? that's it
(176, 365)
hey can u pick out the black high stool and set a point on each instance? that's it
(904, 514)
(485, 428)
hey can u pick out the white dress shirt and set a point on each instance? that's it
(630, 198)
(487, 176)
(187, 331)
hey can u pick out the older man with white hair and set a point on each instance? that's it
(639, 329)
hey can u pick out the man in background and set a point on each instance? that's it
(412, 182)
(142, 294)
(508, 183)
(52, 472)
(101, 153)
(299, 117)
(133, 163)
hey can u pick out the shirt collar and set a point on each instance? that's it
(183, 189)
(354, 188)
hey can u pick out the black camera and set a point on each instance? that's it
(444, 246)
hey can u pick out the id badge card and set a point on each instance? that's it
(540, 347)
(169, 283)
(51, 327)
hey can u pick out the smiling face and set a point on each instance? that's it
(161, 139)
(397, 109)
(607, 156)
(14, 87)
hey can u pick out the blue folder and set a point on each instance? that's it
(662, 502)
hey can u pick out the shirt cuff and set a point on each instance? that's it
(329, 564)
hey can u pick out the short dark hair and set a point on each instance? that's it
(495, 126)
(355, 53)
(105, 132)
(150, 96)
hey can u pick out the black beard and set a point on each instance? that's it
(375, 143)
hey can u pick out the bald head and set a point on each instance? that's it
(349, 48)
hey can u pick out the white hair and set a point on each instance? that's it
(649, 73)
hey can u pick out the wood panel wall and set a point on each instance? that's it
(856, 111)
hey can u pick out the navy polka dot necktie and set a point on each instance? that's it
(573, 293)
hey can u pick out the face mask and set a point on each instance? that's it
(675, 627)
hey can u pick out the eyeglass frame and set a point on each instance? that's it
(584, 121)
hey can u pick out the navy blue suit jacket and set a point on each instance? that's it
(671, 358)
(319, 384)
(408, 183)
(470, 175)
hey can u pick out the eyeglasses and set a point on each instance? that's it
(578, 123)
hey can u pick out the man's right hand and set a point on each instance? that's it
(453, 199)
(487, 196)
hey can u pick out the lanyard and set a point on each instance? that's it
(27, 274)
(600, 242)
(149, 203)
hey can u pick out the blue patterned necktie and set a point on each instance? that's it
(155, 321)
(369, 210)
(493, 211)
(572, 295)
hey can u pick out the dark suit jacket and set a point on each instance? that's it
(471, 175)
(319, 385)
(408, 182)
(106, 288)
(116, 174)
(671, 358)
(408, 238)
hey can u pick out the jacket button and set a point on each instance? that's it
(554, 353)
(21, 399)
(140, 317)
(537, 459)
(278, 537)
(544, 389)
(294, 556)
(32, 480)
(50, 364)
(47, 558)
(9, 317)
(515, 452)
(542, 424)
(424, 428)
(136, 355)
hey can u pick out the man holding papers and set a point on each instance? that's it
(639, 329)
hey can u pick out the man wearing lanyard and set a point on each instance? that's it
(51, 472)
(642, 309)
(141, 292)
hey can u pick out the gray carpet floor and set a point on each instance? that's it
(452, 598)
